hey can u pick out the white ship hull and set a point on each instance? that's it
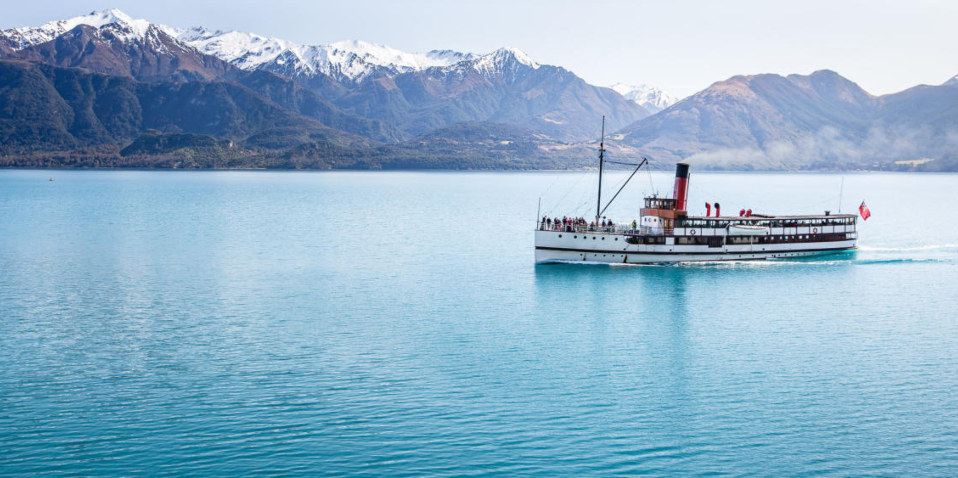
(561, 247)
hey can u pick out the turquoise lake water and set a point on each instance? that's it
(224, 323)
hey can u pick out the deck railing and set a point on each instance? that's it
(582, 228)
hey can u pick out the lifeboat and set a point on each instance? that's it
(744, 230)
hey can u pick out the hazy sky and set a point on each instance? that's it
(682, 47)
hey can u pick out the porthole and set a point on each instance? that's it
(593, 238)
(560, 235)
(603, 238)
(617, 238)
(575, 237)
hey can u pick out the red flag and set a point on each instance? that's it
(863, 210)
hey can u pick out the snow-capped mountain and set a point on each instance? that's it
(649, 97)
(504, 58)
(111, 42)
(349, 62)
(125, 26)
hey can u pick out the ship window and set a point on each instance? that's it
(617, 238)
(575, 237)
(560, 235)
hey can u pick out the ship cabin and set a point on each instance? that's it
(659, 216)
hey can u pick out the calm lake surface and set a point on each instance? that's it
(395, 324)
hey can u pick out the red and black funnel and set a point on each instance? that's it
(681, 192)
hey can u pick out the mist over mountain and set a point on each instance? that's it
(105, 89)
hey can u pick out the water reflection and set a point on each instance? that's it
(661, 290)
(650, 302)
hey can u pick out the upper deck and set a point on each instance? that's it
(718, 226)
(768, 221)
(797, 227)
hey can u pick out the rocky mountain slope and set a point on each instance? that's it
(45, 108)
(505, 86)
(118, 49)
(110, 43)
(420, 92)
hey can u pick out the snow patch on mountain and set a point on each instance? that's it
(385, 56)
(503, 60)
(244, 50)
(649, 97)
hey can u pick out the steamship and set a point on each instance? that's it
(666, 233)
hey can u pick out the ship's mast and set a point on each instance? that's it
(598, 204)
